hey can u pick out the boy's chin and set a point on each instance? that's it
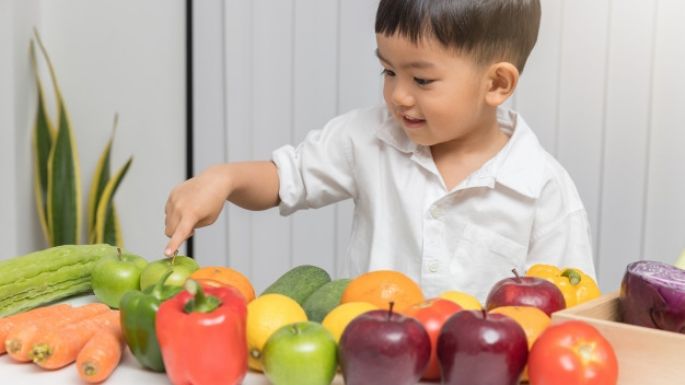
(419, 139)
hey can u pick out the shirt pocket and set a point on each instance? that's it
(482, 257)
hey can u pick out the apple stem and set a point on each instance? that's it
(485, 313)
(119, 253)
(173, 259)
(516, 274)
(392, 304)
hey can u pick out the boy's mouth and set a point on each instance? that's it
(412, 122)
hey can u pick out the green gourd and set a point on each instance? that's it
(48, 275)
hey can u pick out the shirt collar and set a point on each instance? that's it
(518, 166)
(391, 133)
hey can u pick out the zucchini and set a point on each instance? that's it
(299, 282)
(48, 275)
(324, 299)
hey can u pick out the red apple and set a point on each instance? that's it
(383, 348)
(432, 314)
(526, 291)
(477, 348)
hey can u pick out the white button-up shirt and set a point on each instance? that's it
(520, 208)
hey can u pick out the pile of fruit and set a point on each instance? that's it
(205, 325)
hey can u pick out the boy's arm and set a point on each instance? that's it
(198, 201)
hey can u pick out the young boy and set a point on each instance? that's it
(449, 188)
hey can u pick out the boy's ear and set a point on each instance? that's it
(502, 80)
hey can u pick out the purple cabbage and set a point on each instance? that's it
(653, 295)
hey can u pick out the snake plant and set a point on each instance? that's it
(57, 176)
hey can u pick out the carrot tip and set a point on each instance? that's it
(89, 369)
(12, 346)
(40, 353)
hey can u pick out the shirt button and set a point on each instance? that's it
(436, 212)
(434, 267)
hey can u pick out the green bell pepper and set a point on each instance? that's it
(138, 311)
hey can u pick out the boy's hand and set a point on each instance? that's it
(198, 201)
(194, 203)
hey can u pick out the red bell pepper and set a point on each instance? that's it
(201, 333)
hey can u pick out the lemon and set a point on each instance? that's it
(266, 314)
(465, 300)
(337, 319)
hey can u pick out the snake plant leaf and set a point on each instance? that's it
(100, 178)
(105, 210)
(64, 182)
(64, 178)
(113, 235)
(43, 136)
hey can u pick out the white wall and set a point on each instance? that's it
(286, 68)
(601, 90)
(111, 56)
(19, 229)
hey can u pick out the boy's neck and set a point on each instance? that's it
(459, 158)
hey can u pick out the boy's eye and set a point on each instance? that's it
(387, 72)
(422, 82)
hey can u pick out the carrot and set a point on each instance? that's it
(101, 355)
(59, 347)
(17, 320)
(20, 340)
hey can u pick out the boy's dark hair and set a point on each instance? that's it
(488, 29)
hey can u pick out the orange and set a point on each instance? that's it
(381, 287)
(221, 275)
(533, 321)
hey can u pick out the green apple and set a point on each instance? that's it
(181, 266)
(112, 277)
(302, 353)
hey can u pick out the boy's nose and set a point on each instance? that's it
(400, 96)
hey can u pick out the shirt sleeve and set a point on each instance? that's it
(317, 172)
(561, 232)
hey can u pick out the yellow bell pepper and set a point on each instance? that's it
(576, 286)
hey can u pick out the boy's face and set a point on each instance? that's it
(436, 94)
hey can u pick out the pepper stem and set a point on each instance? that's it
(573, 276)
(159, 285)
(200, 302)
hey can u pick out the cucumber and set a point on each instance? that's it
(299, 282)
(324, 299)
(48, 275)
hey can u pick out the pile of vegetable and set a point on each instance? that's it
(203, 325)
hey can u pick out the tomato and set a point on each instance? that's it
(572, 353)
(432, 314)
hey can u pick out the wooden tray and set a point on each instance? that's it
(645, 356)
